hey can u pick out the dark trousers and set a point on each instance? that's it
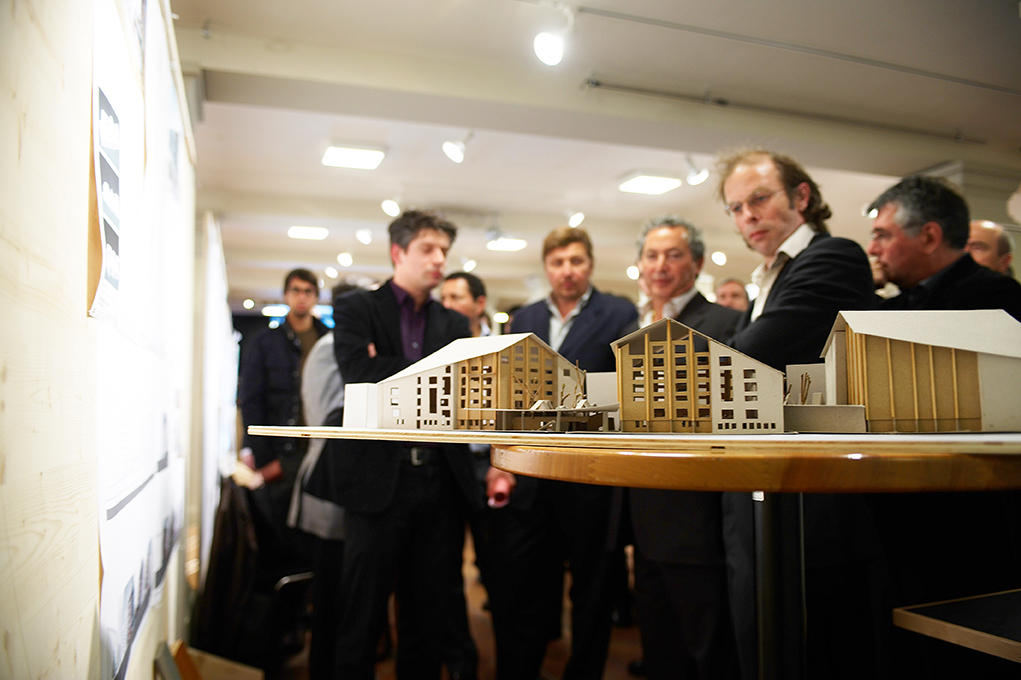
(684, 617)
(567, 522)
(327, 560)
(414, 546)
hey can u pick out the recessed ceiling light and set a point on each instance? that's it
(633, 273)
(575, 219)
(275, 310)
(364, 236)
(308, 233)
(355, 157)
(752, 290)
(391, 207)
(469, 265)
(652, 185)
(345, 259)
(332, 272)
(501, 317)
(506, 244)
(249, 303)
(719, 257)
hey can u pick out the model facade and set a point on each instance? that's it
(927, 371)
(671, 378)
(471, 384)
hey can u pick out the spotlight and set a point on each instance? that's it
(695, 175)
(391, 207)
(549, 45)
(575, 219)
(454, 149)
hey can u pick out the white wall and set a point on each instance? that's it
(50, 351)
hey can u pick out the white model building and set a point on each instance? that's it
(927, 371)
(671, 378)
(471, 384)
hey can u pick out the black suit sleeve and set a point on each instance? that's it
(831, 275)
(358, 323)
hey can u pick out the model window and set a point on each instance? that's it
(751, 413)
(724, 361)
(727, 414)
(749, 374)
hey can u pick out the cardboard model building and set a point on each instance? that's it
(488, 383)
(671, 378)
(927, 371)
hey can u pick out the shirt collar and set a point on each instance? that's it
(671, 308)
(577, 308)
(788, 250)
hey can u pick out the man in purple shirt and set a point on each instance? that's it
(403, 502)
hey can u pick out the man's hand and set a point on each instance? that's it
(271, 471)
(372, 350)
(499, 485)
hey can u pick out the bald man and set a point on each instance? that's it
(991, 246)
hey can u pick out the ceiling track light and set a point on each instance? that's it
(454, 149)
(549, 45)
(696, 175)
(497, 241)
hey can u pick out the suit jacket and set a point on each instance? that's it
(962, 285)
(361, 476)
(684, 526)
(269, 389)
(830, 275)
(604, 319)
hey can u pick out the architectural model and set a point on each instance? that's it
(927, 371)
(888, 371)
(502, 382)
(671, 378)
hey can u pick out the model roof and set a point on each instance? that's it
(987, 331)
(466, 348)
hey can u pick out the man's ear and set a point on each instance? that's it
(802, 193)
(931, 236)
(698, 265)
(395, 253)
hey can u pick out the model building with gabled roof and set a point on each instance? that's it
(467, 385)
(927, 371)
(671, 378)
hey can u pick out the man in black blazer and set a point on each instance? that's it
(805, 278)
(547, 522)
(942, 546)
(403, 526)
(680, 573)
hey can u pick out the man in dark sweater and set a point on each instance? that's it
(941, 545)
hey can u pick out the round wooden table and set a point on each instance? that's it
(788, 463)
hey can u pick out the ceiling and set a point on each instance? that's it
(860, 92)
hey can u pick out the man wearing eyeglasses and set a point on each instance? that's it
(269, 394)
(806, 276)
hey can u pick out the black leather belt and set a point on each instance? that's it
(421, 455)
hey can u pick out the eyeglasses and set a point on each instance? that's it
(302, 291)
(753, 202)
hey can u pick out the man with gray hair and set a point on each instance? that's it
(680, 566)
(919, 237)
(991, 246)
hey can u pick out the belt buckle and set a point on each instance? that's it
(417, 456)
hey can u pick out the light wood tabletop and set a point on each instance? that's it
(781, 462)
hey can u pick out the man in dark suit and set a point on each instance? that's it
(402, 522)
(550, 522)
(942, 545)
(919, 237)
(680, 574)
(805, 278)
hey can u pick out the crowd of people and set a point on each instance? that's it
(388, 518)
